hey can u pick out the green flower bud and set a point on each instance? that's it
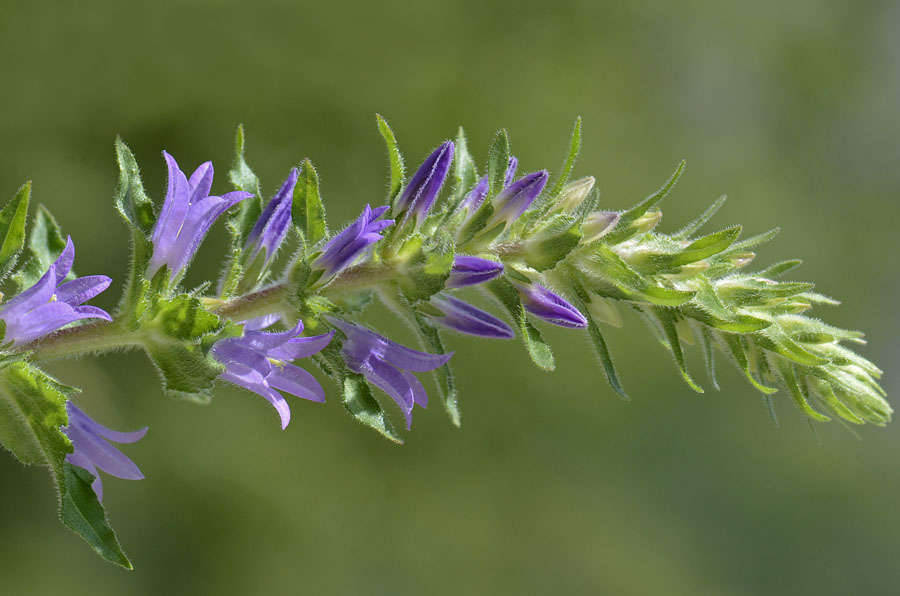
(573, 194)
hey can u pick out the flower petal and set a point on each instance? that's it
(81, 289)
(296, 381)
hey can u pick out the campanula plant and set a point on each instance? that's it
(453, 251)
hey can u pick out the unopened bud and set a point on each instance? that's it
(647, 222)
(742, 258)
(598, 224)
(573, 194)
(603, 309)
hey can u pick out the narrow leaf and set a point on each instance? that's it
(698, 223)
(789, 378)
(12, 229)
(308, 212)
(444, 374)
(574, 149)
(242, 218)
(623, 228)
(667, 320)
(398, 171)
(498, 161)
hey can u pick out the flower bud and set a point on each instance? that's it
(647, 222)
(573, 194)
(426, 183)
(597, 225)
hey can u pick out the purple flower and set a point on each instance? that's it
(517, 197)
(92, 449)
(52, 303)
(475, 197)
(187, 214)
(510, 171)
(273, 223)
(387, 365)
(259, 361)
(465, 318)
(469, 271)
(424, 186)
(344, 248)
(549, 306)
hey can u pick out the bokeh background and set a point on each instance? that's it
(552, 485)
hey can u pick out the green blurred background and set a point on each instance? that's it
(552, 485)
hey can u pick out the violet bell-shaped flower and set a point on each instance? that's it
(424, 186)
(273, 224)
(52, 303)
(465, 318)
(187, 215)
(260, 362)
(470, 271)
(388, 365)
(549, 306)
(516, 198)
(343, 249)
(90, 440)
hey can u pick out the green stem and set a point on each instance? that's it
(74, 341)
(253, 305)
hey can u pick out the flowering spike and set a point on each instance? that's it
(187, 215)
(423, 188)
(465, 318)
(470, 271)
(350, 243)
(93, 451)
(388, 364)
(49, 305)
(517, 197)
(258, 361)
(273, 224)
(549, 306)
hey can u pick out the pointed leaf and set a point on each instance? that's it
(667, 320)
(498, 161)
(82, 513)
(574, 149)
(698, 223)
(465, 174)
(131, 200)
(444, 374)
(789, 378)
(242, 218)
(32, 410)
(12, 229)
(308, 212)
(395, 158)
(45, 243)
(623, 229)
